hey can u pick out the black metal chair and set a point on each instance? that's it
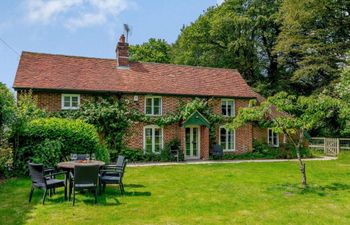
(113, 176)
(85, 177)
(118, 165)
(217, 151)
(175, 152)
(45, 182)
(82, 156)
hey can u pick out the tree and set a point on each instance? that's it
(7, 107)
(155, 50)
(290, 115)
(238, 34)
(342, 91)
(313, 41)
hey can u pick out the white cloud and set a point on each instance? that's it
(75, 13)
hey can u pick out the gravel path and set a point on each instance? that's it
(197, 162)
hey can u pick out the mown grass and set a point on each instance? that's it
(246, 193)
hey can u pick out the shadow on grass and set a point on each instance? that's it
(320, 190)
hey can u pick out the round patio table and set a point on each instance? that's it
(69, 165)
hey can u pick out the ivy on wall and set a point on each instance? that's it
(113, 118)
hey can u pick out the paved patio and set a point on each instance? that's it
(194, 162)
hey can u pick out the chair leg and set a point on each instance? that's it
(104, 187)
(31, 194)
(120, 189)
(99, 188)
(50, 192)
(44, 196)
(74, 197)
(65, 193)
(95, 194)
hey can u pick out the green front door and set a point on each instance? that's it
(192, 140)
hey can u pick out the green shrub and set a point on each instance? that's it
(50, 140)
(6, 160)
(47, 152)
(133, 155)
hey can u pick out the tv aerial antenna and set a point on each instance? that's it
(127, 31)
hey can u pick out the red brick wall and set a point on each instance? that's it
(134, 139)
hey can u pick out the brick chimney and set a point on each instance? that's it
(122, 52)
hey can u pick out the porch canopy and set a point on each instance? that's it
(196, 119)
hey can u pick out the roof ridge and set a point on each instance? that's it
(90, 57)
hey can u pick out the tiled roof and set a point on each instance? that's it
(73, 73)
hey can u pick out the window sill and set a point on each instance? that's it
(69, 108)
(231, 150)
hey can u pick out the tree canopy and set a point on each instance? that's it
(314, 39)
(155, 50)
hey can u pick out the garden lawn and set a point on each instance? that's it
(246, 193)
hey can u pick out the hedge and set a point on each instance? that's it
(50, 140)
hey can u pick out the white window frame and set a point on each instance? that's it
(234, 106)
(70, 95)
(268, 138)
(226, 144)
(153, 138)
(152, 107)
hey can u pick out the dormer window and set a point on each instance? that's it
(70, 101)
(153, 106)
(228, 107)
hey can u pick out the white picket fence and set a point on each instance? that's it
(330, 146)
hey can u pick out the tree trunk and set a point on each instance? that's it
(297, 148)
(301, 164)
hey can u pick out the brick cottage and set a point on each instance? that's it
(62, 82)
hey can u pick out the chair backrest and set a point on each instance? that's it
(123, 168)
(86, 174)
(217, 150)
(36, 172)
(120, 161)
(81, 156)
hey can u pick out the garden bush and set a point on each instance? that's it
(50, 140)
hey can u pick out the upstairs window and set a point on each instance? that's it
(227, 139)
(153, 106)
(228, 107)
(153, 139)
(272, 138)
(70, 101)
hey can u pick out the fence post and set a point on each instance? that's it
(324, 146)
(338, 146)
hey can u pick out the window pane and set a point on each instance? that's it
(66, 104)
(148, 105)
(148, 134)
(75, 101)
(223, 108)
(229, 109)
(232, 107)
(156, 102)
(223, 138)
(157, 140)
(188, 142)
(156, 110)
(229, 140)
(66, 101)
(195, 141)
(275, 139)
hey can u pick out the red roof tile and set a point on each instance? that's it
(60, 72)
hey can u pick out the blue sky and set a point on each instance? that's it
(87, 27)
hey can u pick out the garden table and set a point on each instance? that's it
(69, 165)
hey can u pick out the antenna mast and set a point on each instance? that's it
(127, 30)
